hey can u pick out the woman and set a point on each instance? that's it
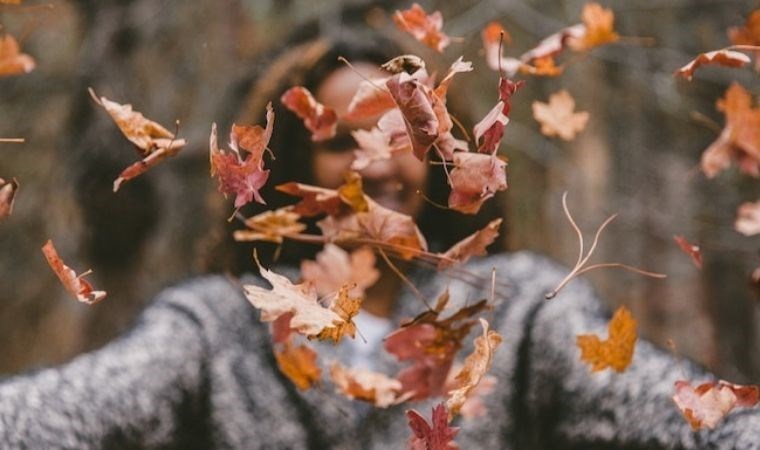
(198, 370)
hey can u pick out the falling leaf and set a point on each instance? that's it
(75, 284)
(708, 403)
(728, 58)
(426, 28)
(271, 226)
(352, 194)
(299, 364)
(491, 127)
(410, 64)
(334, 267)
(749, 34)
(430, 344)
(598, 28)
(360, 384)
(438, 436)
(321, 120)
(616, 351)
(7, 195)
(476, 365)
(748, 218)
(375, 145)
(309, 317)
(474, 406)
(417, 110)
(346, 306)
(690, 249)
(476, 178)
(557, 118)
(243, 177)
(154, 143)
(740, 138)
(371, 99)
(12, 61)
(473, 245)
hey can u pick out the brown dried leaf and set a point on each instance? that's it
(299, 364)
(728, 58)
(598, 28)
(473, 245)
(321, 120)
(271, 226)
(557, 118)
(690, 249)
(75, 284)
(373, 387)
(12, 61)
(7, 195)
(708, 403)
(475, 179)
(426, 28)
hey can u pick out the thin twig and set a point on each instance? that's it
(12, 140)
(345, 61)
(406, 280)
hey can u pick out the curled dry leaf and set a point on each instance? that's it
(271, 226)
(370, 100)
(416, 108)
(476, 178)
(598, 24)
(12, 61)
(708, 403)
(690, 249)
(491, 127)
(430, 344)
(360, 384)
(494, 37)
(7, 195)
(375, 144)
(425, 27)
(411, 64)
(749, 34)
(557, 118)
(309, 317)
(616, 352)
(299, 364)
(335, 267)
(75, 284)
(728, 58)
(243, 177)
(154, 143)
(473, 245)
(438, 436)
(346, 307)
(477, 364)
(748, 218)
(740, 138)
(321, 120)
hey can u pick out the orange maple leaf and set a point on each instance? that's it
(557, 118)
(749, 34)
(616, 351)
(346, 307)
(12, 61)
(425, 27)
(271, 226)
(599, 28)
(299, 364)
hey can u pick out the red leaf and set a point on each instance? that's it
(321, 120)
(416, 108)
(491, 127)
(439, 436)
(425, 28)
(475, 179)
(7, 194)
(241, 177)
(75, 284)
(690, 249)
(371, 99)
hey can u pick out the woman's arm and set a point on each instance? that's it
(143, 390)
(568, 406)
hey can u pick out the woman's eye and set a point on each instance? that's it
(340, 143)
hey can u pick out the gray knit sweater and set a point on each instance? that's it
(197, 371)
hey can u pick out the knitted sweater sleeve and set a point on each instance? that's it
(144, 390)
(562, 404)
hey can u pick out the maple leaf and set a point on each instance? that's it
(7, 195)
(314, 200)
(75, 284)
(12, 61)
(476, 365)
(616, 351)
(557, 117)
(299, 364)
(438, 436)
(271, 226)
(748, 218)
(708, 403)
(360, 384)
(335, 267)
(690, 249)
(371, 99)
(740, 138)
(374, 145)
(544, 66)
(728, 58)
(426, 28)
(309, 317)
(749, 34)
(598, 28)
(153, 142)
(321, 120)
(352, 194)
(346, 306)
(242, 176)
(430, 344)
(473, 245)
(416, 107)
(476, 178)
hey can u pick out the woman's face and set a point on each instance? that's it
(394, 182)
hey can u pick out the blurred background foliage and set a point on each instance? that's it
(193, 61)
